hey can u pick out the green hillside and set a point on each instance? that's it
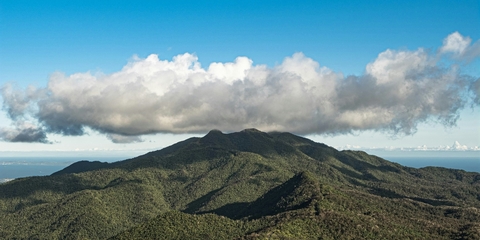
(303, 208)
(247, 184)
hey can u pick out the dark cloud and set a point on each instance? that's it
(475, 88)
(115, 138)
(23, 132)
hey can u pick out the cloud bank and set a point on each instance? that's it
(398, 90)
(456, 146)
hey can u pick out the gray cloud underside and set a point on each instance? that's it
(399, 90)
(23, 133)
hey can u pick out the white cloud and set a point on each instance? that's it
(230, 72)
(460, 46)
(459, 147)
(455, 43)
(4, 180)
(396, 66)
(399, 90)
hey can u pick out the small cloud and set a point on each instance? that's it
(422, 148)
(455, 147)
(455, 43)
(349, 147)
(4, 180)
(116, 138)
(460, 47)
(459, 147)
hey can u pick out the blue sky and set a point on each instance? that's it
(41, 38)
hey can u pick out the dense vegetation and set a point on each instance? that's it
(249, 185)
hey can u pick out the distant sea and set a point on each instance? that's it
(469, 164)
(18, 167)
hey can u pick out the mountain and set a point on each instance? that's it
(247, 184)
(82, 166)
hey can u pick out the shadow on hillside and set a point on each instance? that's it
(391, 194)
(232, 210)
(434, 202)
(195, 206)
(350, 173)
(385, 193)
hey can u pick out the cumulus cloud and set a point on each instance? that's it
(457, 146)
(460, 46)
(398, 90)
(455, 43)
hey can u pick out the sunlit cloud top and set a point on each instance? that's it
(397, 91)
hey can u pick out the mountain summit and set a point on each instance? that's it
(247, 184)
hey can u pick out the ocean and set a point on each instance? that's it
(469, 164)
(18, 167)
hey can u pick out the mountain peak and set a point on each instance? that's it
(214, 131)
(251, 130)
(216, 138)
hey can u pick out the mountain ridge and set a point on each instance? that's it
(253, 181)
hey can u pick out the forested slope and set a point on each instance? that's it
(246, 184)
